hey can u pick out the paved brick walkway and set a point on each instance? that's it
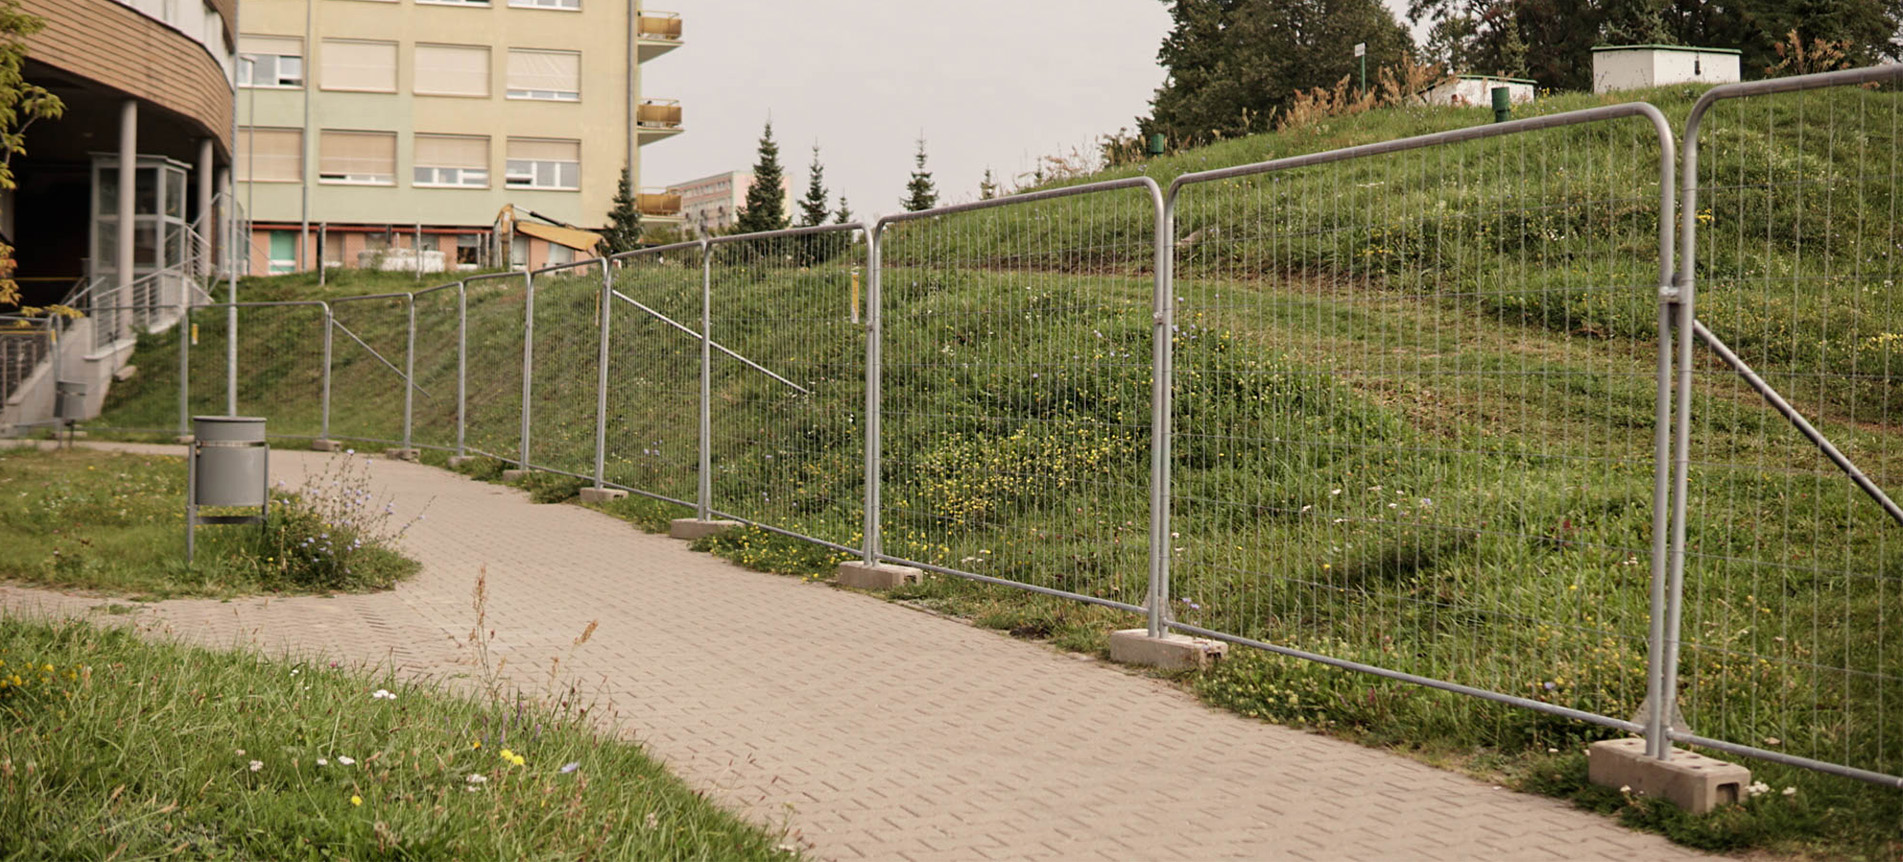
(871, 730)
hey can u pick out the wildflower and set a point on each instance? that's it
(1625, 788)
(257, 765)
(347, 761)
(571, 766)
(477, 778)
(355, 799)
(382, 694)
(322, 762)
(653, 820)
(1790, 791)
(1756, 788)
(240, 752)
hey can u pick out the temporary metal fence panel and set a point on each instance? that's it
(280, 362)
(438, 364)
(1416, 395)
(652, 440)
(1792, 453)
(370, 367)
(567, 330)
(494, 334)
(1015, 347)
(787, 381)
(24, 343)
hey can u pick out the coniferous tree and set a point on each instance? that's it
(624, 220)
(987, 187)
(844, 214)
(920, 193)
(813, 206)
(766, 198)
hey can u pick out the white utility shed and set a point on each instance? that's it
(1477, 90)
(1630, 67)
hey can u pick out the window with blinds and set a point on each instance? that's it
(546, 4)
(356, 158)
(451, 161)
(452, 70)
(368, 67)
(540, 163)
(270, 155)
(270, 61)
(548, 75)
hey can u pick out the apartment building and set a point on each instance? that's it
(403, 133)
(124, 184)
(710, 205)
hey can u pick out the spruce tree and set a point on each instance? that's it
(766, 200)
(813, 206)
(987, 187)
(844, 214)
(920, 194)
(624, 220)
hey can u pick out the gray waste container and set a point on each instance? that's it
(230, 461)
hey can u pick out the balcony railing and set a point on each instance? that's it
(659, 204)
(659, 114)
(665, 26)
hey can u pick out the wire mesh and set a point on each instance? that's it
(1016, 404)
(788, 382)
(494, 333)
(369, 357)
(438, 313)
(1790, 570)
(1414, 407)
(567, 344)
(654, 373)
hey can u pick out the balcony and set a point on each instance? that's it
(658, 204)
(658, 118)
(660, 33)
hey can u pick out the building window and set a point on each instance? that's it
(365, 67)
(356, 158)
(270, 61)
(270, 155)
(548, 75)
(559, 254)
(536, 163)
(452, 70)
(482, 3)
(468, 249)
(546, 4)
(451, 161)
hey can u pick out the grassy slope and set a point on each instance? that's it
(1414, 407)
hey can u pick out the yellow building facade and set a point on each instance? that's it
(388, 124)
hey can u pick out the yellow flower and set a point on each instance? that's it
(475, 743)
(355, 799)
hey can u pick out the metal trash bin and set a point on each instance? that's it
(69, 400)
(229, 465)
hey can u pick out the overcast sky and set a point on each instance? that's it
(988, 83)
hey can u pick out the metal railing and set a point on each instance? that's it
(1420, 409)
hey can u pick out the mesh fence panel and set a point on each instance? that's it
(654, 374)
(434, 417)
(494, 387)
(1015, 405)
(567, 344)
(1789, 576)
(788, 388)
(369, 353)
(1414, 411)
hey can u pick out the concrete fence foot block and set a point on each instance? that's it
(186, 439)
(694, 528)
(325, 445)
(401, 454)
(1689, 780)
(602, 495)
(456, 462)
(514, 475)
(1169, 652)
(861, 575)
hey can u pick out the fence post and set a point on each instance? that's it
(1162, 365)
(528, 363)
(184, 362)
(875, 383)
(409, 372)
(231, 355)
(462, 365)
(601, 375)
(330, 328)
(704, 493)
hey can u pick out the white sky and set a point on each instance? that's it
(989, 83)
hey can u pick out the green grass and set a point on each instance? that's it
(117, 747)
(93, 520)
(1414, 404)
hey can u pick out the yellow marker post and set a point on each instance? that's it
(855, 294)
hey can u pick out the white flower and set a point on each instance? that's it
(653, 820)
(257, 765)
(1756, 788)
(347, 761)
(1790, 791)
(382, 694)
(322, 762)
(240, 752)
(477, 778)
(1625, 788)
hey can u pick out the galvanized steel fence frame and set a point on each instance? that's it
(1676, 327)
